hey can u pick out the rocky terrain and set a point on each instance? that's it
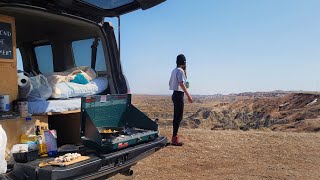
(276, 111)
(237, 136)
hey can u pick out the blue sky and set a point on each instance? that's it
(231, 45)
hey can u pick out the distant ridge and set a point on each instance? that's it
(250, 94)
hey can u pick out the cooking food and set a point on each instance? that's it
(67, 157)
(109, 131)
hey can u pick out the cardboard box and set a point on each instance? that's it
(8, 58)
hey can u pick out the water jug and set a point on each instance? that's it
(29, 136)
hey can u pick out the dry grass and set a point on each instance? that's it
(234, 155)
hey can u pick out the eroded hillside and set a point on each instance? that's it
(271, 111)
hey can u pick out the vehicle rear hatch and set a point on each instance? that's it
(92, 9)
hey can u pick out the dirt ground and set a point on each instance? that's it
(230, 155)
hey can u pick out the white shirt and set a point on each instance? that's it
(177, 76)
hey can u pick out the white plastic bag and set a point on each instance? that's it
(41, 89)
(3, 144)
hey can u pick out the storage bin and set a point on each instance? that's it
(24, 157)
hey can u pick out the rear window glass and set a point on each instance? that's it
(44, 59)
(107, 4)
(82, 54)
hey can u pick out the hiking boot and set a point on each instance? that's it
(176, 142)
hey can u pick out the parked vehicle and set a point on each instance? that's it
(58, 35)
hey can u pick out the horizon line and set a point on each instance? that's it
(274, 91)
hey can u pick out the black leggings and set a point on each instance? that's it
(178, 103)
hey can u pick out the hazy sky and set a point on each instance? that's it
(230, 45)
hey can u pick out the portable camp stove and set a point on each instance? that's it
(111, 122)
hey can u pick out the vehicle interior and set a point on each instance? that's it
(46, 48)
(51, 43)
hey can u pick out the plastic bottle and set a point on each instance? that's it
(41, 141)
(28, 136)
(3, 144)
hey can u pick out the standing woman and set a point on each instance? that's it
(177, 84)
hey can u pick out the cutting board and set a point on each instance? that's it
(53, 163)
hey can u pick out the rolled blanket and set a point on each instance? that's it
(86, 74)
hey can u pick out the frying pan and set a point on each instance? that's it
(116, 131)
